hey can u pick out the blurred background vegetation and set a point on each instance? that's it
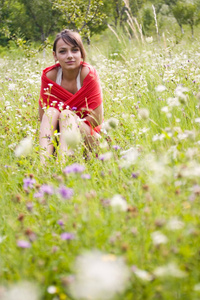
(31, 24)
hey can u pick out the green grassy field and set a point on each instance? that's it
(126, 226)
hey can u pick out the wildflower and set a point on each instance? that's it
(197, 287)
(118, 203)
(160, 88)
(111, 123)
(67, 236)
(142, 274)
(23, 244)
(99, 276)
(74, 168)
(174, 224)
(129, 157)
(149, 39)
(65, 192)
(28, 183)
(46, 189)
(85, 176)
(11, 86)
(52, 289)
(72, 138)
(159, 238)
(116, 147)
(22, 291)
(105, 156)
(143, 113)
(170, 270)
(24, 148)
(60, 222)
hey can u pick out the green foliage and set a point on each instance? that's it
(86, 16)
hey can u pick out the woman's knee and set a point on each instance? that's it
(66, 114)
(52, 112)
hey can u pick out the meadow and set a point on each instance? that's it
(122, 222)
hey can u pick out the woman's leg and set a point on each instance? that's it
(48, 125)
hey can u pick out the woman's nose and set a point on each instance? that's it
(69, 55)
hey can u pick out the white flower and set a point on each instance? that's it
(11, 86)
(72, 138)
(197, 120)
(129, 157)
(111, 123)
(118, 202)
(149, 39)
(175, 224)
(159, 238)
(197, 287)
(24, 148)
(173, 101)
(170, 270)
(144, 275)
(52, 289)
(160, 88)
(99, 276)
(165, 109)
(22, 291)
(143, 113)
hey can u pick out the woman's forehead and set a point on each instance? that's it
(65, 44)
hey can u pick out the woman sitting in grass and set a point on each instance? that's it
(70, 96)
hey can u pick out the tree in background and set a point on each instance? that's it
(86, 16)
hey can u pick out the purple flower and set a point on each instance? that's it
(38, 195)
(23, 244)
(65, 192)
(116, 147)
(85, 176)
(60, 222)
(29, 205)
(67, 236)
(74, 108)
(134, 175)
(28, 183)
(74, 168)
(46, 189)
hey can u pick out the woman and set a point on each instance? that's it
(70, 96)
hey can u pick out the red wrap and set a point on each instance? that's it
(86, 99)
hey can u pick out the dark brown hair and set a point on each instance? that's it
(72, 38)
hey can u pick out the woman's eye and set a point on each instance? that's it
(62, 51)
(75, 49)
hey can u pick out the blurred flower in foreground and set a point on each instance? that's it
(160, 88)
(159, 238)
(175, 224)
(118, 203)
(149, 39)
(65, 192)
(28, 183)
(72, 138)
(99, 276)
(142, 274)
(24, 148)
(171, 270)
(74, 168)
(111, 123)
(22, 291)
(106, 156)
(143, 113)
(129, 157)
(23, 244)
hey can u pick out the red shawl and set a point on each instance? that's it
(86, 99)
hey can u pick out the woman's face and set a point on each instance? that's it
(68, 55)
